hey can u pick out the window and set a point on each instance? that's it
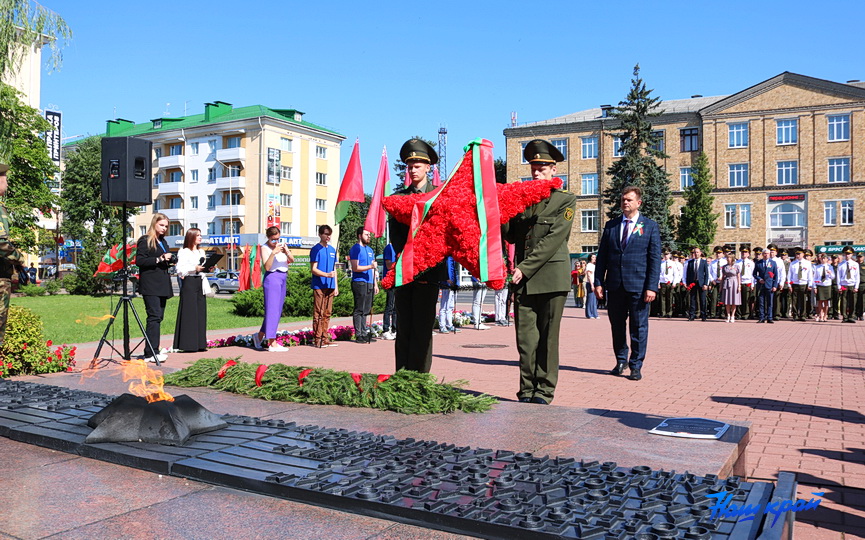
(523, 152)
(193, 202)
(617, 146)
(211, 228)
(657, 141)
(175, 176)
(787, 215)
(589, 147)
(157, 179)
(156, 205)
(285, 227)
(788, 173)
(232, 171)
(589, 221)
(157, 124)
(285, 144)
(285, 172)
(231, 198)
(284, 199)
(686, 178)
(689, 139)
(175, 229)
(525, 179)
(211, 146)
(562, 145)
(590, 184)
(232, 142)
(142, 229)
(839, 170)
(321, 152)
(589, 249)
(564, 179)
(730, 216)
(321, 179)
(787, 130)
(745, 216)
(211, 175)
(175, 203)
(194, 175)
(737, 216)
(193, 225)
(193, 151)
(739, 175)
(738, 135)
(175, 150)
(157, 151)
(846, 212)
(839, 127)
(320, 205)
(231, 227)
(211, 204)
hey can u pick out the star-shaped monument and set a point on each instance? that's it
(449, 220)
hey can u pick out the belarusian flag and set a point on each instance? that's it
(352, 185)
(113, 260)
(376, 218)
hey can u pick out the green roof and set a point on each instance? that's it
(216, 112)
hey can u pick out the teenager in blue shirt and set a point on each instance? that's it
(322, 257)
(363, 284)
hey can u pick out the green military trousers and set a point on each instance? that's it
(538, 318)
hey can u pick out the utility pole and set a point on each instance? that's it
(443, 149)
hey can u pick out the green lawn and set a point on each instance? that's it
(79, 319)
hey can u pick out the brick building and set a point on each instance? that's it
(787, 158)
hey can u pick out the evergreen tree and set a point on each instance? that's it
(85, 217)
(501, 167)
(638, 165)
(698, 224)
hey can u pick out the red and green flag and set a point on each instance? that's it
(376, 218)
(113, 260)
(351, 188)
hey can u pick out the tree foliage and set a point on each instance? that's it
(399, 164)
(501, 167)
(24, 24)
(30, 166)
(698, 224)
(638, 165)
(85, 217)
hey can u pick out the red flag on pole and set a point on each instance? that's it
(243, 277)
(437, 179)
(351, 188)
(376, 218)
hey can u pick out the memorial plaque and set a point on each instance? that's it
(691, 428)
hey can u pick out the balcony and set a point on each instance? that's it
(230, 211)
(172, 188)
(231, 182)
(173, 214)
(225, 155)
(172, 162)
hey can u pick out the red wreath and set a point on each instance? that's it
(451, 226)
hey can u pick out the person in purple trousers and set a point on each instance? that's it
(275, 257)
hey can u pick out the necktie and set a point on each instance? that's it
(625, 233)
(848, 271)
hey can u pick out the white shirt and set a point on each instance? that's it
(746, 269)
(823, 274)
(670, 272)
(631, 225)
(187, 260)
(590, 274)
(280, 260)
(801, 268)
(848, 274)
(715, 269)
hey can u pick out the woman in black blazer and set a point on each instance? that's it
(153, 259)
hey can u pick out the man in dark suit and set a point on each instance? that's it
(697, 282)
(541, 280)
(628, 269)
(766, 274)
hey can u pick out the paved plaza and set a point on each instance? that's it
(799, 384)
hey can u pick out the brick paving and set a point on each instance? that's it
(799, 383)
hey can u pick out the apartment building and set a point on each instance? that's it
(786, 157)
(232, 172)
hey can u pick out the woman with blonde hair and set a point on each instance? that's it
(153, 259)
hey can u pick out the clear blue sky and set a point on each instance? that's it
(385, 71)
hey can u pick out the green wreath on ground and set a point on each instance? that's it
(407, 392)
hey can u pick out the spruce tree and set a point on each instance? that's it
(697, 223)
(638, 165)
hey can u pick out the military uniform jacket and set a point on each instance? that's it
(540, 237)
(9, 255)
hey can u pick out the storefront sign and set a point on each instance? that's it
(837, 249)
(52, 136)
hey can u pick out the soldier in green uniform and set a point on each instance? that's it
(10, 257)
(541, 279)
(860, 296)
(415, 302)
